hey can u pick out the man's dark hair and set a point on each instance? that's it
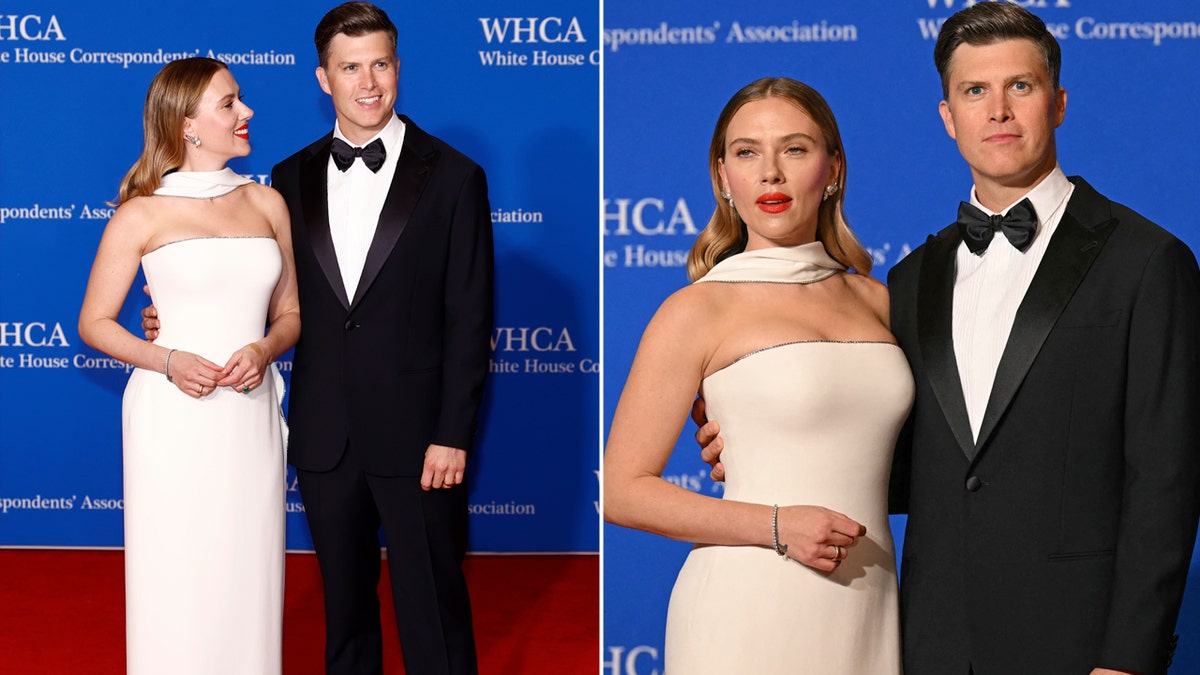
(353, 19)
(987, 23)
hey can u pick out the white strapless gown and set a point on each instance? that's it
(204, 493)
(811, 423)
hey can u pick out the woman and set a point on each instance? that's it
(203, 446)
(793, 355)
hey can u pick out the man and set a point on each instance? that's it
(394, 266)
(1051, 465)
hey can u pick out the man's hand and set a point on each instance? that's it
(150, 319)
(444, 467)
(707, 436)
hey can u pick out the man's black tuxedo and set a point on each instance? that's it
(1060, 540)
(402, 364)
(379, 377)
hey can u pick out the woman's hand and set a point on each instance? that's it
(193, 374)
(816, 536)
(245, 369)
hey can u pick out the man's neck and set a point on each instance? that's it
(999, 194)
(360, 137)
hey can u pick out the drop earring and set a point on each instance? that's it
(829, 190)
(727, 196)
(194, 140)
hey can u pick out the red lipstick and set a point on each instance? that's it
(774, 202)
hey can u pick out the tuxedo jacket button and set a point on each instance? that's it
(350, 325)
(973, 484)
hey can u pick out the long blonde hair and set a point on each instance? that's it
(725, 234)
(174, 94)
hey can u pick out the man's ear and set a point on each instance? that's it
(323, 80)
(947, 118)
(1060, 105)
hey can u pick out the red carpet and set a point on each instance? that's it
(62, 613)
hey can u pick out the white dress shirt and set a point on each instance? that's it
(989, 288)
(356, 198)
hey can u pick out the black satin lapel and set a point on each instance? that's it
(935, 308)
(314, 189)
(412, 173)
(1068, 258)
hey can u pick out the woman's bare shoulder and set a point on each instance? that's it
(254, 204)
(262, 193)
(696, 299)
(133, 225)
(871, 292)
(136, 214)
(685, 317)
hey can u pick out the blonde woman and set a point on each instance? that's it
(202, 431)
(794, 569)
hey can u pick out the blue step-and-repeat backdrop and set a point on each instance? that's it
(514, 85)
(1132, 71)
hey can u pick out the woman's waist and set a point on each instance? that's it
(797, 474)
(214, 348)
(861, 501)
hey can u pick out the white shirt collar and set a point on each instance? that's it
(390, 134)
(1046, 197)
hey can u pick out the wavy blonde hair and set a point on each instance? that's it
(725, 234)
(174, 94)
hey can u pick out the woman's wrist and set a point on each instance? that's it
(257, 349)
(167, 365)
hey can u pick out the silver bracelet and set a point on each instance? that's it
(781, 550)
(167, 365)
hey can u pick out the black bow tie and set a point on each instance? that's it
(372, 155)
(978, 228)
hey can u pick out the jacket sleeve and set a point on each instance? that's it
(902, 290)
(1160, 502)
(468, 313)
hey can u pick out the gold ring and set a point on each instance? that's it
(837, 553)
(201, 390)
